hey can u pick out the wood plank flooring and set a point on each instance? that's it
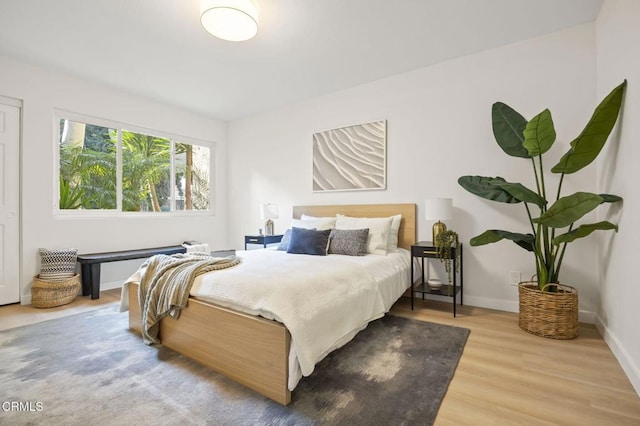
(505, 376)
(17, 315)
(509, 377)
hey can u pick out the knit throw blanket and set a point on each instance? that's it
(166, 283)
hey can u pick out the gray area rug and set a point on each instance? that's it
(88, 369)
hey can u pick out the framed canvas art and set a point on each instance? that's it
(350, 158)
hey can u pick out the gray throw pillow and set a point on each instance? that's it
(352, 242)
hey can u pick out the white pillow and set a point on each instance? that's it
(330, 220)
(307, 217)
(378, 240)
(319, 224)
(393, 233)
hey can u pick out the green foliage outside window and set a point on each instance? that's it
(88, 171)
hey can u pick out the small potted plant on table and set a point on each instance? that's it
(447, 244)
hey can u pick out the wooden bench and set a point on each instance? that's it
(90, 264)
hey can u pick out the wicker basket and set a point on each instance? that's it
(47, 294)
(549, 314)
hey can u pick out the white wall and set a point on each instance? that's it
(618, 33)
(439, 128)
(41, 91)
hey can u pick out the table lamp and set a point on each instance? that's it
(268, 212)
(438, 209)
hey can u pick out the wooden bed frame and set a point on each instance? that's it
(248, 349)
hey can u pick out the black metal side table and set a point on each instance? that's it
(263, 240)
(427, 250)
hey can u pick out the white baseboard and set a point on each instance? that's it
(587, 317)
(489, 303)
(25, 299)
(111, 285)
(628, 364)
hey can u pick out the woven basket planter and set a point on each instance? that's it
(47, 294)
(549, 314)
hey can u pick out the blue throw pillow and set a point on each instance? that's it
(284, 242)
(309, 241)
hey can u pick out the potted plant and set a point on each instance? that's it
(546, 307)
(446, 245)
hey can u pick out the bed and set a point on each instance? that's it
(248, 348)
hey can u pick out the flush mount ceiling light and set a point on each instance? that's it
(232, 20)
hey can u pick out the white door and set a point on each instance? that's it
(9, 203)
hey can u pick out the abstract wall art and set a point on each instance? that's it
(350, 158)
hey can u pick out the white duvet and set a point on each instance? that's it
(322, 300)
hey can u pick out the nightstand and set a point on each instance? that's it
(427, 250)
(263, 240)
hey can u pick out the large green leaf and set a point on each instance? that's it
(521, 192)
(582, 231)
(486, 187)
(539, 135)
(526, 241)
(586, 147)
(508, 126)
(610, 198)
(568, 209)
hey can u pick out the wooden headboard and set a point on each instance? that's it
(406, 235)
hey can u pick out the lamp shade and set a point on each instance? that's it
(438, 208)
(232, 20)
(268, 211)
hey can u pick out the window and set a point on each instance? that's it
(192, 177)
(146, 172)
(87, 166)
(106, 167)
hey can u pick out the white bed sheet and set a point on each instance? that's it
(324, 301)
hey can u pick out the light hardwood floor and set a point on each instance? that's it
(509, 377)
(16, 315)
(505, 376)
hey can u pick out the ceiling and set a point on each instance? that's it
(304, 48)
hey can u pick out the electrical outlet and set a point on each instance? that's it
(514, 277)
